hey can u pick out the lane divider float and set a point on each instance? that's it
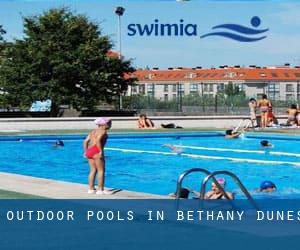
(205, 156)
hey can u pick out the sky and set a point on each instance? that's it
(282, 18)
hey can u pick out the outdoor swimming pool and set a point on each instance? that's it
(140, 162)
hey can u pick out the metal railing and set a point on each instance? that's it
(184, 174)
(209, 176)
(234, 177)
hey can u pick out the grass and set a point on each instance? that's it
(13, 195)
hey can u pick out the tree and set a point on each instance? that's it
(233, 90)
(2, 32)
(2, 43)
(63, 57)
(234, 96)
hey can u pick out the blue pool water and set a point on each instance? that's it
(142, 163)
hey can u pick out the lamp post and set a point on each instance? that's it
(119, 11)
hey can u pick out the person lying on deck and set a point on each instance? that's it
(145, 123)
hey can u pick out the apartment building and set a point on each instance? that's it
(279, 83)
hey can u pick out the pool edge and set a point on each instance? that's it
(54, 189)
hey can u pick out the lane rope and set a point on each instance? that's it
(239, 150)
(204, 156)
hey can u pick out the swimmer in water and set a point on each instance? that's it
(232, 134)
(266, 144)
(58, 143)
(174, 148)
(183, 193)
(267, 187)
(216, 193)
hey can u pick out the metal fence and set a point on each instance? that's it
(237, 105)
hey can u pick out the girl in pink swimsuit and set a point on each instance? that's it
(92, 151)
(93, 147)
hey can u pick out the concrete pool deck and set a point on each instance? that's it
(53, 189)
(51, 123)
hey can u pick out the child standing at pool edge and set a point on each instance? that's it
(93, 147)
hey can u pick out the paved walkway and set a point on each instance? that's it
(60, 189)
(121, 122)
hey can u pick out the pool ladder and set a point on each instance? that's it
(211, 176)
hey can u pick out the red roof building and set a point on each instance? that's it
(279, 82)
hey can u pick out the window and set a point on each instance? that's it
(286, 74)
(205, 87)
(190, 75)
(263, 74)
(142, 89)
(273, 87)
(274, 74)
(174, 88)
(259, 96)
(208, 87)
(194, 87)
(298, 97)
(273, 91)
(230, 74)
(181, 87)
(289, 97)
(241, 86)
(166, 97)
(297, 74)
(150, 87)
(174, 96)
(221, 87)
(273, 96)
(166, 88)
(289, 88)
(149, 76)
(134, 89)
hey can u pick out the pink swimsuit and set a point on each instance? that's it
(92, 151)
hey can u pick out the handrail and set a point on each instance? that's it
(250, 122)
(233, 176)
(202, 170)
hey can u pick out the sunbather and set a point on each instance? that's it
(292, 115)
(145, 123)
